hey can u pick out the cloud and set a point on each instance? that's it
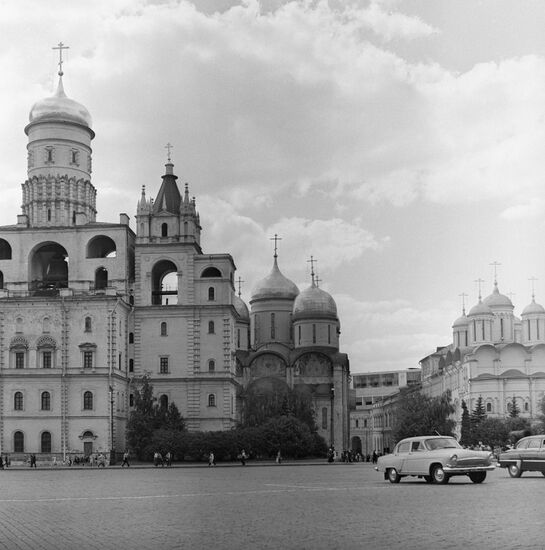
(530, 210)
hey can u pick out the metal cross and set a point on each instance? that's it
(463, 296)
(312, 261)
(276, 238)
(168, 146)
(495, 264)
(479, 282)
(317, 280)
(60, 47)
(239, 282)
(533, 281)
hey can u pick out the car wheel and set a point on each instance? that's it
(477, 477)
(428, 479)
(514, 470)
(393, 476)
(439, 476)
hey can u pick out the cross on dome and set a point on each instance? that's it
(60, 47)
(276, 238)
(495, 265)
(463, 295)
(169, 147)
(312, 261)
(479, 282)
(239, 282)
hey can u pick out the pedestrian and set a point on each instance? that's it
(243, 456)
(211, 459)
(125, 460)
(331, 454)
(157, 459)
(1, 463)
(278, 457)
(374, 457)
(33, 460)
(168, 458)
(6, 461)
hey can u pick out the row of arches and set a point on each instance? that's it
(19, 442)
(45, 401)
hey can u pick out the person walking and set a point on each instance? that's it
(243, 457)
(168, 458)
(125, 461)
(211, 459)
(33, 460)
(278, 457)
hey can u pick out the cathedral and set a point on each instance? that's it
(89, 307)
(494, 355)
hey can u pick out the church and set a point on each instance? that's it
(89, 307)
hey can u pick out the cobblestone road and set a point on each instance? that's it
(262, 507)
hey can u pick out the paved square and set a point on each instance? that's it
(264, 506)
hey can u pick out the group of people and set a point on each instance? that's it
(351, 456)
(160, 460)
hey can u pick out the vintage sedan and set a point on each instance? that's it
(527, 456)
(436, 459)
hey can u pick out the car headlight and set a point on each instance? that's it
(452, 460)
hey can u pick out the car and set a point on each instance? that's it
(527, 456)
(435, 459)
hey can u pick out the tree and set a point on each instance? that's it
(465, 435)
(514, 410)
(478, 414)
(418, 414)
(491, 431)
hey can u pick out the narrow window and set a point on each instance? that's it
(88, 401)
(19, 359)
(1, 280)
(46, 359)
(131, 337)
(18, 401)
(87, 359)
(238, 338)
(88, 324)
(537, 329)
(164, 230)
(49, 214)
(163, 401)
(501, 328)
(211, 400)
(273, 328)
(475, 329)
(163, 329)
(131, 365)
(119, 361)
(211, 294)
(482, 328)
(489, 407)
(163, 365)
(49, 154)
(299, 333)
(131, 400)
(18, 442)
(74, 216)
(313, 333)
(185, 228)
(74, 156)
(324, 418)
(529, 330)
(46, 401)
(465, 332)
(526, 407)
(46, 442)
(211, 327)
(211, 365)
(329, 334)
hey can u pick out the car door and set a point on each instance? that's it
(531, 454)
(416, 460)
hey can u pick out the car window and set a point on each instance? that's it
(442, 443)
(523, 444)
(404, 447)
(415, 446)
(534, 443)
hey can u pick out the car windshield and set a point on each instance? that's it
(442, 443)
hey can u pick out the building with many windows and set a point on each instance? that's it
(88, 307)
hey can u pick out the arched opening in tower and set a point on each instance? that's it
(164, 278)
(48, 269)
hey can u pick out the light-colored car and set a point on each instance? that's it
(527, 456)
(436, 459)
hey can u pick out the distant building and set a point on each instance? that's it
(371, 420)
(87, 307)
(494, 355)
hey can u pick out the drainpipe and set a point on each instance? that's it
(112, 329)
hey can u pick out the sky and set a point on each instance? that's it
(400, 143)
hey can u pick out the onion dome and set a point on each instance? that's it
(274, 286)
(480, 309)
(497, 300)
(60, 108)
(533, 308)
(314, 302)
(241, 308)
(462, 321)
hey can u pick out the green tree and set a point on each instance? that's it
(478, 414)
(491, 431)
(514, 410)
(465, 435)
(418, 414)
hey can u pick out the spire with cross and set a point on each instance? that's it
(479, 282)
(239, 282)
(60, 47)
(533, 283)
(495, 265)
(312, 261)
(463, 295)
(169, 148)
(276, 238)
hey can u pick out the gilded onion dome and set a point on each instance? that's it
(241, 308)
(462, 321)
(274, 286)
(314, 302)
(497, 300)
(533, 308)
(480, 309)
(61, 108)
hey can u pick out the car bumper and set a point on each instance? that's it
(462, 470)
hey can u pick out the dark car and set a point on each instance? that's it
(527, 456)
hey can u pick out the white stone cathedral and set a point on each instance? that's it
(88, 307)
(494, 355)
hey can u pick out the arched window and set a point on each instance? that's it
(163, 401)
(164, 230)
(211, 327)
(46, 401)
(18, 401)
(101, 246)
(526, 406)
(18, 442)
(88, 324)
(46, 442)
(88, 401)
(211, 294)
(5, 250)
(163, 329)
(164, 276)
(211, 272)
(211, 400)
(101, 278)
(211, 365)
(273, 327)
(131, 337)
(489, 407)
(313, 333)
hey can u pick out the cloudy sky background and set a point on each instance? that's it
(401, 143)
